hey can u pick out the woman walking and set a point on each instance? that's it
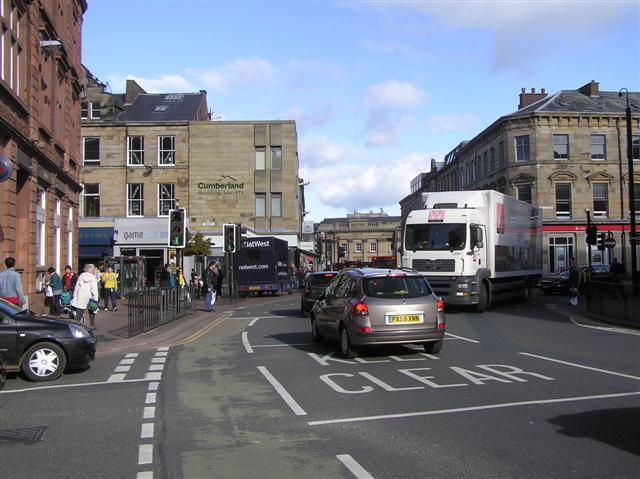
(85, 292)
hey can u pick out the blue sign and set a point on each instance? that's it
(6, 169)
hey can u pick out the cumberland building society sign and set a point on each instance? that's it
(225, 185)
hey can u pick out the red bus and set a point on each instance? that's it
(386, 262)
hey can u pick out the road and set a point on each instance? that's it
(518, 391)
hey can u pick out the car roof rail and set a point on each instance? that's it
(406, 268)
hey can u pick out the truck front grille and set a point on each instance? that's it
(445, 265)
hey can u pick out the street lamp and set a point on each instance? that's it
(632, 200)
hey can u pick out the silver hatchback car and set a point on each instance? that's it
(368, 306)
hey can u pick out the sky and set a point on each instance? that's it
(377, 88)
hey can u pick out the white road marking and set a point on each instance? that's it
(156, 367)
(145, 475)
(62, 386)
(150, 399)
(154, 386)
(127, 361)
(149, 412)
(295, 407)
(280, 345)
(114, 378)
(122, 369)
(613, 329)
(147, 430)
(145, 454)
(614, 373)
(253, 321)
(161, 354)
(461, 337)
(132, 355)
(470, 409)
(153, 376)
(245, 342)
(356, 469)
(159, 360)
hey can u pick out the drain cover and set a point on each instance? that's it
(27, 435)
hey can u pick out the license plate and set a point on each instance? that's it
(405, 318)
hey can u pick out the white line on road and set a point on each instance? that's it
(156, 367)
(159, 360)
(153, 376)
(163, 348)
(114, 378)
(356, 469)
(295, 407)
(245, 342)
(147, 430)
(614, 373)
(60, 386)
(160, 354)
(253, 321)
(281, 345)
(472, 408)
(150, 399)
(149, 412)
(145, 454)
(122, 369)
(154, 386)
(461, 337)
(145, 475)
(127, 361)
(132, 355)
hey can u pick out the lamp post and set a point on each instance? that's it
(632, 200)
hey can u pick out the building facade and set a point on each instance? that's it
(356, 239)
(40, 135)
(145, 154)
(565, 153)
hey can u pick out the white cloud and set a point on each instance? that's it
(399, 49)
(162, 84)
(450, 123)
(243, 71)
(313, 116)
(319, 152)
(394, 94)
(368, 186)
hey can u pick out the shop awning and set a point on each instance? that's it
(95, 236)
(92, 251)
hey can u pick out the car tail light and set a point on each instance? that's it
(359, 309)
(441, 326)
(366, 329)
(440, 305)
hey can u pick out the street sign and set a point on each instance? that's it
(609, 243)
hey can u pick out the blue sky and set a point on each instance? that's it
(377, 88)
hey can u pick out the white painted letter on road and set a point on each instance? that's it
(476, 377)
(425, 379)
(336, 387)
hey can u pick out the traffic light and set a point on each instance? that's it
(592, 234)
(229, 237)
(177, 228)
(601, 238)
(318, 247)
(241, 233)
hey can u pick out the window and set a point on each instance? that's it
(57, 237)
(260, 158)
(70, 236)
(166, 150)
(563, 201)
(90, 110)
(91, 150)
(522, 148)
(492, 159)
(598, 147)
(135, 150)
(635, 147)
(560, 147)
(135, 199)
(276, 204)
(261, 205)
(84, 110)
(166, 198)
(358, 247)
(501, 154)
(600, 200)
(41, 233)
(636, 198)
(485, 164)
(276, 157)
(91, 200)
(95, 110)
(373, 247)
(524, 192)
(345, 248)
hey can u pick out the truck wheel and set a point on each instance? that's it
(483, 299)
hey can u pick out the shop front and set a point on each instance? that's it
(144, 237)
(94, 244)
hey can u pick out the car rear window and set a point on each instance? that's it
(321, 280)
(396, 287)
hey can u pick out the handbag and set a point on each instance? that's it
(92, 305)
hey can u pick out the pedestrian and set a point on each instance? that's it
(212, 282)
(85, 295)
(173, 282)
(110, 286)
(574, 282)
(55, 283)
(219, 281)
(11, 284)
(165, 276)
(617, 271)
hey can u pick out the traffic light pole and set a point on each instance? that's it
(589, 227)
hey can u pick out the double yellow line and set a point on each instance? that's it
(203, 331)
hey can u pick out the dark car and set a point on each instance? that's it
(555, 283)
(42, 346)
(314, 286)
(559, 282)
(3, 372)
(369, 306)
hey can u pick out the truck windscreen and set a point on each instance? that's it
(435, 237)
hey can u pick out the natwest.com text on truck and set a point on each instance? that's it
(475, 247)
(261, 265)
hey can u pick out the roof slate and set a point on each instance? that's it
(163, 107)
(573, 101)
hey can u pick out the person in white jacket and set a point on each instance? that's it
(86, 289)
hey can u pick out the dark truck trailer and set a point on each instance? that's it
(261, 265)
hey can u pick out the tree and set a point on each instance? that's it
(197, 245)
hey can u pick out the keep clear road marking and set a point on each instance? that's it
(613, 373)
(245, 342)
(295, 407)
(453, 336)
(356, 469)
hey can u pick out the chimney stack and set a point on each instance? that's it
(527, 99)
(591, 89)
(132, 91)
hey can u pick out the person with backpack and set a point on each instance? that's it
(85, 295)
(55, 283)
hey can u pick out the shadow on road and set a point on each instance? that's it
(615, 427)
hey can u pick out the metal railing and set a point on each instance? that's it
(614, 300)
(153, 307)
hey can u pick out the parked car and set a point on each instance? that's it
(43, 346)
(314, 286)
(555, 283)
(362, 307)
(3, 372)
(559, 282)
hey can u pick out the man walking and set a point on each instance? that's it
(10, 284)
(212, 282)
(55, 282)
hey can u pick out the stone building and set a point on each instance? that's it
(40, 135)
(565, 153)
(145, 154)
(356, 239)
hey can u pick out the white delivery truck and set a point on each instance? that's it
(475, 247)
